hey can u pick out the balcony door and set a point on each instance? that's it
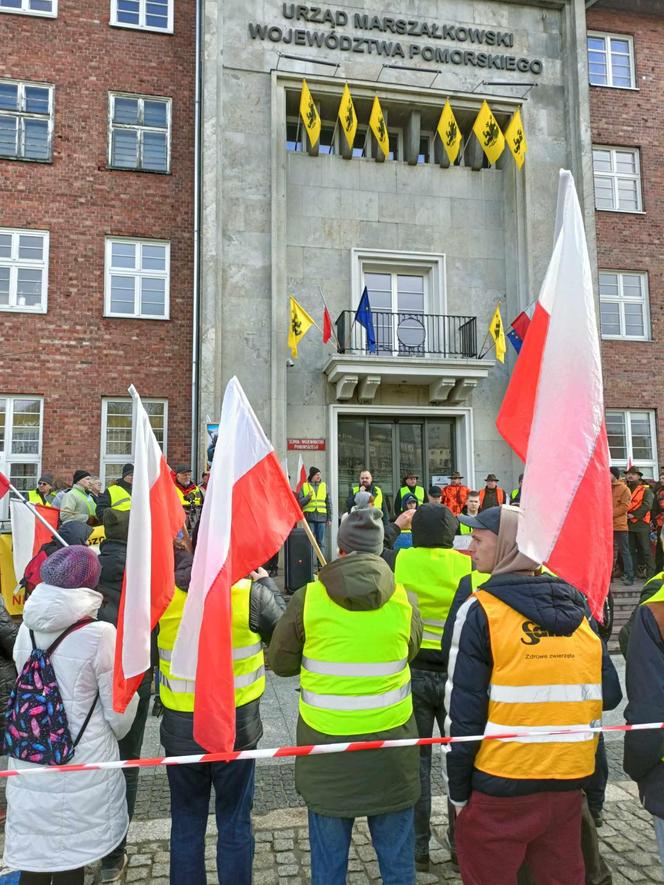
(399, 304)
(390, 447)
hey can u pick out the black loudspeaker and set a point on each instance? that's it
(299, 560)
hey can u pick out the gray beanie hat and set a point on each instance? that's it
(362, 499)
(362, 531)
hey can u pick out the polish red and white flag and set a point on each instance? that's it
(155, 519)
(552, 416)
(301, 475)
(248, 513)
(28, 533)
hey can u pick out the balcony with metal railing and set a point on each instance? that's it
(435, 350)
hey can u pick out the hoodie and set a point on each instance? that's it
(543, 600)
(352, 784)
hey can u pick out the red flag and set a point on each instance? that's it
(555, 394)
(155, 518)
(28, 533)
(4, 485)
(327, 325)
(234, 537)
(301, 475)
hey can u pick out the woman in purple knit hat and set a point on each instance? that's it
(57, 824)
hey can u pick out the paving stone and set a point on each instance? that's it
(141, 860)
(281, 844)
(289, 870)
(161, 869)
(286, 857)
(137, 875)
(366, 852)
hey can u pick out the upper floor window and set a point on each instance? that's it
(139, 136)
(623, 299)
(147, 15)
(137, 279)
(632, 440)
(21, 419)
(31, 7)
(611, 60)
(23, 270)
(617, 176)
(118, 430)
(26, 120)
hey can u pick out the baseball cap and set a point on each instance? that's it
(489, 520)
(435, 492)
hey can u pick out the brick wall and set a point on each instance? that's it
(73, 356)
(628, 118)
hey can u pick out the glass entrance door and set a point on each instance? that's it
(390, 448)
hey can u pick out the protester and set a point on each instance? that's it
(60, 822)
(118, 494)
(349, 636)
(44, 494)
(256, 607)
(95, 488)
(188, 492)
(112, 559)
(77, 504)
(622, 499)
(638, 519)
(435, 495)
(409, 487)
(515, 494)
(472, 508)
(645, 694)
(71, 533)
(455, 494)
(314, 500)
(491, 495)
(521, 637)
(405, 538)
(366, 484)
(431, 570)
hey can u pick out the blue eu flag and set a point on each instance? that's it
(364, 318)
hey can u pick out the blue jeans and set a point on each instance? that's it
(392, 836)
(659, 834)
(318, 528)
(190, 787)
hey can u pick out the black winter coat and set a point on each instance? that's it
(112, 559)
(8, 631)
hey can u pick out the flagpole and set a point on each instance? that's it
(314, 542)
(38, 515)
(480, 354)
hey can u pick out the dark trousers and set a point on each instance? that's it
(639, 542)
(130, 748)
(428, 688)
(496, 835)
(66, 877)
(190, 787)
(595, 788)
(621, 546)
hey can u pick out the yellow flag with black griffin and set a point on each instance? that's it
(488, 133)
(379, 126)
(347, 116)
(309, 114)
(497, 332)
(515, 137)
(449, 132)
(300, 323)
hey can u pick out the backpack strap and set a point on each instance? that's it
(87, 720)
(77, 626)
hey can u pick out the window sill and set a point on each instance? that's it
(134, 316)
(623, 211)
(627, 339)
(42, 311)
(48, 162)
(29, 12)
(110, 168)
(616, 88)
(128, 27)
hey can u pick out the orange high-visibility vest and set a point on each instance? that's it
(637, 501)
(500, 496)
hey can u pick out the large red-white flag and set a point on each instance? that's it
(155, 519)
(553, 418)
(28, 533)
(248, 512)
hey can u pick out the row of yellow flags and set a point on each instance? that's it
(485, 127)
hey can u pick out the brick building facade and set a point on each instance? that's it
(626, 63)
(96, 230)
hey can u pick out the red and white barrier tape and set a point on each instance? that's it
(320, 749)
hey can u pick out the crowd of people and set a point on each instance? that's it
(403, 630)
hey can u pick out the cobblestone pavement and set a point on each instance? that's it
(282, 851)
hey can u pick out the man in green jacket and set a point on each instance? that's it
(350, 635)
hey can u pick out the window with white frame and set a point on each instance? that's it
(47, 8)
(147, 15)
(118, 432)
(139, 133)
(611, 60)
(617, 176)
(26, 120)
(632, 440)
(21, 419)
(623, 301)
(137, 278)
(23, 270)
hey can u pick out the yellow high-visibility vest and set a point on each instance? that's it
(318, 495)
(540, 681)
(417, 493)
(248, 660)
(355, 677)
(35, 498)
(120, 498)
(378, 496)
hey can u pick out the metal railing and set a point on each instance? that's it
(409, 334)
